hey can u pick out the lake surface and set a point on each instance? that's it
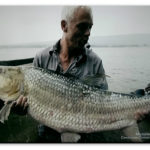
(128, 67)
(17, 53)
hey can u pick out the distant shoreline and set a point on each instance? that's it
(120, 46)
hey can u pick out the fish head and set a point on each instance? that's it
(10, 80)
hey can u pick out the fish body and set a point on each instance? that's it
(67, 104)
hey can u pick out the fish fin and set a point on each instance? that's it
(132, 132)
(94, 80)
(68, 137)
(5, 111)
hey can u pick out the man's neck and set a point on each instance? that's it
(64, 50)
(65, 57)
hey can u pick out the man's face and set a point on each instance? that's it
(78, 29)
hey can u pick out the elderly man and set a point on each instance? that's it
(72, 55)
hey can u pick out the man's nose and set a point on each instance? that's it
(88, 32)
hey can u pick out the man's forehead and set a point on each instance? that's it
(82, 15)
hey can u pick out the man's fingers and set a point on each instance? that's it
(137, 116)
(141, 115)
(25, 105)
(24, 100)
(19, 101)
(20, 106)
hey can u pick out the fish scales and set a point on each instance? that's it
(74, 103)
(61, 104)
(67, 104)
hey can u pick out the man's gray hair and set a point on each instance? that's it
(68, 12)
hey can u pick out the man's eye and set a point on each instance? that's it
(81, 27)
(84, 27)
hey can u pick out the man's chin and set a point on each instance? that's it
(77, 50)
(81, 45)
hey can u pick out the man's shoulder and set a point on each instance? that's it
(44, 52)
(92, 55)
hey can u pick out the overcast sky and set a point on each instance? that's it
(27, 24)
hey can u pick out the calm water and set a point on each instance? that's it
(17, 53)
(128, 67)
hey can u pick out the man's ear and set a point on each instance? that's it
(64, 25)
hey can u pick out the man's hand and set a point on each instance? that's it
(140, 115)
(21, 105)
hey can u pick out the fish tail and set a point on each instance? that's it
(5, 111)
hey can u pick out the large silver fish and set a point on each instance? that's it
(69, 105)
